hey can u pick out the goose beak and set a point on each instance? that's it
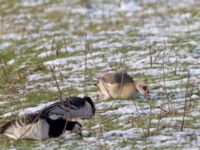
(146, 92)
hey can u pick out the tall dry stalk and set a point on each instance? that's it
(45, 49)
(2, 64)
(164, 80)
(149, 121)
(57, 85)
(150, 55)
(87, 48)
(190, 100)
(175, 70)
(185, 103)
(1, 23)
(156, 57)
(65, 44)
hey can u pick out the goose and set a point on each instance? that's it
(121, 85)
(38, 127)
(70, 108)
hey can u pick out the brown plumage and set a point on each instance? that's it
(121, 85)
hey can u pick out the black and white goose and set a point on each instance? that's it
(38, 127)
(70, 108)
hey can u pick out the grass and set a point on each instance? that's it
(69, 29)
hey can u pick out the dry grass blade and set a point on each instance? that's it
(190, 100)
(4, 70)
(87, 48)
(164, 80)
(149, 121)
(150, 55)
(185, 104)
(1, 23)
(57, 85)
(175, 70)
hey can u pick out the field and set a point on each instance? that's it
(72, 43)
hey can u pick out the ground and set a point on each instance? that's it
(78, 41)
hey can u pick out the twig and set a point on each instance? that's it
(87, 48)
(165, 88)
(46, 50)
(4, 70)
(190, 101)
(65, 44)
(121, 84)
(2, 24)
(53, 43)
(170, 51)
(185, 105)
(151, 62)
(157, 56)
(175, 70)
(149, 122)
(187, 25)
(164, 81)
(57, 85)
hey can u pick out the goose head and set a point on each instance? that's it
(89, 100)
(142, 88)
(76, 128)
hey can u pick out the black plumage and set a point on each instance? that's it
(38, 127)
(52, 120)
(72, 107)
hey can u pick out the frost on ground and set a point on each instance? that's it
(154, 40)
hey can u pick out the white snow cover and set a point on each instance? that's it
(114, 29)
(34, 109)
(129, 133)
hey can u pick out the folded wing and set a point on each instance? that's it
(70, 108)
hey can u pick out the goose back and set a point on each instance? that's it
(117, 78)
(72, 107)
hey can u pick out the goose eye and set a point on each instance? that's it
(145, 88)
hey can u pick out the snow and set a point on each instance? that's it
(38, 77)
(114, 29)
(11, 62)
(114, 103)
(32, 3)
(195, 114)
(124, 110)
(173, 120)
(129, 133)
(159, 139)
(4, 45)
(11, 36)
(194, 96)
(129, 6)
(56, 62)
(34, 109)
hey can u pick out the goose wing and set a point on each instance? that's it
(27, 127)
(113, 78)
(72, 107)
(19, 123)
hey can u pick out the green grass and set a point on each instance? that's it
(70, 28)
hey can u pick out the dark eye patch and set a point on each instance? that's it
(145, 88)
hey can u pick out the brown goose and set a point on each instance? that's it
(121, 85)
